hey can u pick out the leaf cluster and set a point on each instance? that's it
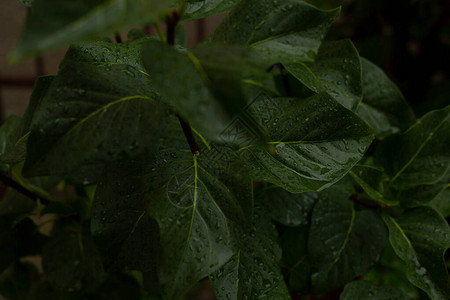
(298, 168)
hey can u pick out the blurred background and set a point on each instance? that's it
(409, 39)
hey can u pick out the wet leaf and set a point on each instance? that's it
(105, 109)
(343, 242)
(193, 199)
(198, 9)
(278, 31)
(315, 142)
(207, 105)
(418, 161)
(253, 272)
(336, 70)
(372, 181)
(383, 107)
(420, 238)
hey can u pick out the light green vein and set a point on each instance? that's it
(349, 231)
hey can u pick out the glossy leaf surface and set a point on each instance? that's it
(193, 202)
(197, 9)
(101, 108)
(420, 237)
(336, 70)
(343, 242)
(315, 142)
(253, 271)
(200, 99)
(420, 157)
(383, 107)
(276, 30)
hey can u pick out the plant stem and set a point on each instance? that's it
(172, 19)
(9, 182)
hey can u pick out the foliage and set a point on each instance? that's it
(298, 167)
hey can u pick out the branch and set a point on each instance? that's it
(9, 182)
(172, 19)
(356, 199)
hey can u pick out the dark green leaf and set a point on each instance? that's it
(198, 9)
(280, 31)
(383, 107)
(294, 243)
(128, 53)
(343, 243)
(364, 290)
(102, 109)
(120, 222)
(193, 198)
(286, 208)
(54, 23)
(372, 182)
(16, 280)
(336, 70)
(70, 257)
(208, 93)
(441, 203)
(391, 270)
(316, 142)
(7, 254)
(419, 158)
(420, 237)
(8, 134)
(253, 272)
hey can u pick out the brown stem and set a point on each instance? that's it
(356, 199)
(172, 19)
(7, 181)
(190, 138)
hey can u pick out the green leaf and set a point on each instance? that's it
(127, 53)
(315, 142)
(8, 134)
(286, 208)
(294, 243)
(336, 70)
(280, 31)
(53, 23)
(198, 9)
(419, 158)
(193, 199)
(441, 203)
(253, 272)
(16, 280)
(420, 238)
(364, 290)
(70, 257)
(372, 181)
(102, 109)
(391, 270)
(343, 242)
(208, 94)
(383, 107)
(120, 222)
